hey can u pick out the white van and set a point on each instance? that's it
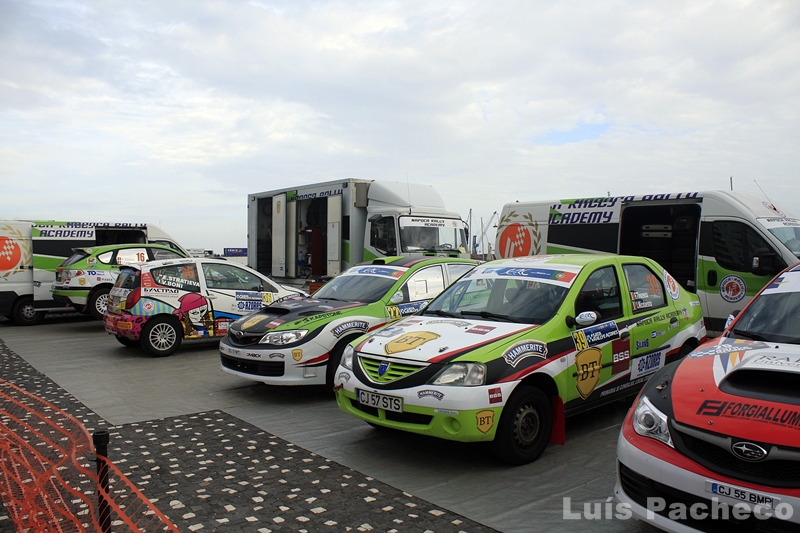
(723, 245)
(30, 252)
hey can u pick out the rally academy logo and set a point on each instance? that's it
(749, 451)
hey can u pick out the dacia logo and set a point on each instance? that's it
(383, 368)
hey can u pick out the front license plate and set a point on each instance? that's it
(380, 401)
(743, 495)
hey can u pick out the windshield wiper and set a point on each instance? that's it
(439, 312)
(748, 335)
(487, 314)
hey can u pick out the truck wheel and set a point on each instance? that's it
(125, 341)
(525, 426)
(161, 336)
(25, 314)
(333, 361)
(98, 302)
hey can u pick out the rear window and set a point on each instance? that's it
(128, 279)
(78, 255)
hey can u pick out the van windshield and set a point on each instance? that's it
(428, 234)
(786, 230)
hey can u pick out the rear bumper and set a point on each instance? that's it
(129, 326)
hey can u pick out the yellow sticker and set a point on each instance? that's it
(484, 421)
(297, 354)
(409, 341)
(267, 297)
(249, 323)
(580, 340)
(587, 365)
(393, 311)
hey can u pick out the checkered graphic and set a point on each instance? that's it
(8, 249)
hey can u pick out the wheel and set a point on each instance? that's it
(25, 314)
(161, 336)
(524, 428)
(333, 362)
(125, 341)
(98, 301)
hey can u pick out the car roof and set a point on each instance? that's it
(408, 262)
(111, 247)
(180, 261)
(580, 260)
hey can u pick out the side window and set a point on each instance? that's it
(601, 294)
(735, 244)
(646, 289)
(105, 258)
(382, 236)
(182, 277)
(457, 270)
(131, 255)
(424, 285)
(164, 254)
(231, 278)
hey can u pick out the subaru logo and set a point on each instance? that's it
(748, 451)
(239, 333)
(383, 368)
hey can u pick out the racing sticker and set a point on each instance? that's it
(380, 271)
(484, 420)
(727, 346)
(410, 341)
(480, 330)
(587, 365)
(647, 364)
(753, 411)
(297, 354)
(250, 322)
(393, 312)
(430, 392)
(495, 395)
(621, 355)
(456, 323)
(732, 288)
(357, 325)
(673, 288)
(411, 308)
(536, 273)
(594, 335)
(248, 296)
(521, 350)
(159, 290)
(391, 331)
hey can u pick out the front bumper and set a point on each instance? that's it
(305, 364)
(657, 482)
(462, 414)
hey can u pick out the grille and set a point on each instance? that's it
(256, 368)
(247, 340)
(776, 473)
(394, 371)
(639, 488)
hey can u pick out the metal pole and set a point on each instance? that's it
(100, 438)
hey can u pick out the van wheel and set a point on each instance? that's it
(161, 336)
(125, 341)
(25, 314)
(98, 302)
(525, 426)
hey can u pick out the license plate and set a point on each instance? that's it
(647, 364)
(744, 495)
(380, 401)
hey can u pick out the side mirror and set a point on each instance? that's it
(396, 298)
(587, 318)
(765, 262)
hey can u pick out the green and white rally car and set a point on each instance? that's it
(300, 341)
(516, 345)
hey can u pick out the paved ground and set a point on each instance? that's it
(219, 453)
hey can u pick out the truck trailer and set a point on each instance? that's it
(307, 234)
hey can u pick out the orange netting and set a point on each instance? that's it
(49, 479)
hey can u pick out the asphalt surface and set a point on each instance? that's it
(218, 453)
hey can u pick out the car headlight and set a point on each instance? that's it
(461, 375)
(283, 337)
(347, 357)
(650, 422)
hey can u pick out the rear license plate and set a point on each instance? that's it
(744, 495)
(380, 401)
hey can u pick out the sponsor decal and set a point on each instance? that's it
(777, 361)
(445, 412)
(391, 331)
(728, 346)
(254, 355)
(685, 313)
(480, 330)
(732, 288)
(321, 316)
(536, 273)
(276, 355)
(646, 364)
(694, 303)
(222, 326)
(753, 411)
(623, 386)
(297, 354)
(254, 321)
(148, 306)
(344, 376)
(620, 355)
(82, 281)
(267, 297)
(248, 296)
(484, 421)
(124, 325)
(515, 240)
(249, 305)
(495, 395)
(411, 308)
(654, 334)
(393, 312)
(456, 323)
(379, 271)
(640, 345)
(640, 304)
(410, 341)
(429, 392)
(275, 323)
(587, 365)
(159, 290)
(358, 325)
(523, 349)
(773, 209)
(594, 335)
(673, 287)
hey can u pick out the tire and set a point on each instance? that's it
(98, 302)
(161, 337)
(333, 362)
(25, 314)
(125, 341)
(525, 426)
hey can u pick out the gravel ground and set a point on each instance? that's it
(214, 472)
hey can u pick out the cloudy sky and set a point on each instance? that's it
(172, 112)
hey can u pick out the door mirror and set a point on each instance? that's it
(765, 262)
(396, 298)
(587, 318)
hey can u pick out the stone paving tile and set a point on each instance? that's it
(214, 472)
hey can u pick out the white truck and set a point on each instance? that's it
(30, 252)
(307, 234)
(723, 245)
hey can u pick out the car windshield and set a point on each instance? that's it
(355, 286)
(773, 317)
(424, 234)
(77, 255)
(500, 299)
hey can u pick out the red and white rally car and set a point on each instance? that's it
(712, 443)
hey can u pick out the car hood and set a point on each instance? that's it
(740, 388)
(294, 312)
(433, 339)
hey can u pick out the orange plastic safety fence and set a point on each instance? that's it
(48, 474)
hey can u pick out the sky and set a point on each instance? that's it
(171, 113)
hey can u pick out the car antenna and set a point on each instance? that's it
(408, 191)
(765, 194)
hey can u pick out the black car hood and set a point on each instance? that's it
(303, 313)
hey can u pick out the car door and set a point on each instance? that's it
(420, 288)
(234, 292)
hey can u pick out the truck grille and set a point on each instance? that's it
(256, 368)
(386, 371)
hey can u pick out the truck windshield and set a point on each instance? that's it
(428, 234)
(790, 237)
